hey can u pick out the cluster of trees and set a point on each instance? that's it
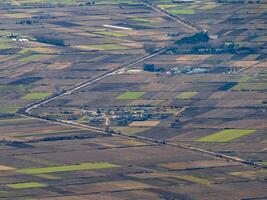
(27, 21)
(50, 40)
(194, 39)
(152, 68)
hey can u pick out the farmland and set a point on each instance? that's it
(131, 95)
(36, 95)
(225, 135)
(127, 99)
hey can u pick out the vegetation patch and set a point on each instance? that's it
(5, 44)
(36, 95)
(244, 79)
(43, 50)
(225, 135)
(208, 7)
(250, 86)
(263, 163)
(130, 95)
(182, 12)
(66, 168)
(8, 109)
(250, 174)
(186, 95)
(26, 185)
(166, 6)
(33, 58)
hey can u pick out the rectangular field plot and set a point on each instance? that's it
(182, 12)
(8, 109)
(26, 185)
(102, 47)
(129, 130)
(196, 164)
(66, 168)
(109, 33)
(250, 174)
(130, 95)
(33, 58)
(144, 123)
(194, 179)
(36, 95)
(250, 86)
(225, 135)
(186, 95)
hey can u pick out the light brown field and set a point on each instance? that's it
(197, 164)
(59, 65)
(144, 123)
(5, 168)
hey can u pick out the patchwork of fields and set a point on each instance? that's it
(127, 99)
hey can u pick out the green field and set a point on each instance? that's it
(109, 33)
(244, 79)
(249, 174)
(225, 135)
(208, 7)
(5, 43)
(26, 185)
(36, 95)
(130, 95)
(249, 86)
(66, 168)
(263, 163)
(166, 6)
(186, 95)
(182, 12)
(8, 109)
(32, 58)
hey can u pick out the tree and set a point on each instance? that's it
(149, 67)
